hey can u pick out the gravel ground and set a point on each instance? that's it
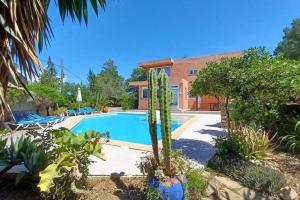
(114, 189)
(287, 164)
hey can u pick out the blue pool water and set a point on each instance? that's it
(124, 127)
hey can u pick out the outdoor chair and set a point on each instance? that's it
(82, 111)
(21, 123)
(71, 112)
(37, 116)
(41, 120)
(89, 110)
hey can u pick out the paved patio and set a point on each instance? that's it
(196, 142)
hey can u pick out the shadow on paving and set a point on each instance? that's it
(216, 125)
(197, 150)
(216, 133)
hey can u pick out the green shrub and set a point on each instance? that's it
(227, 145)
(261, 178)
(292, 140)
(76, 105)
(127, 102)
(196, 184)
(247, 142)
(150, 193)
(4, 132)
(59, 111)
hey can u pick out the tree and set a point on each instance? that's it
(45, 96)
(91, 77)
(138, 74)
(23, 26)
(214, 80)
(70, 93)
(49, 75)
(262, 87)
(290, 44)
(258, 85)
(109, 84)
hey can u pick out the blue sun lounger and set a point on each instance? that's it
(21, 123)
(89, 110)
(71, 112)
(42, 120)
(37, 116)
(82, 111)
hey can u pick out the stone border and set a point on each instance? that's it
(143, 147)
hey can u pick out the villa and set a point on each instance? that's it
(182, 73)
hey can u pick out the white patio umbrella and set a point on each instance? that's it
(79, 97)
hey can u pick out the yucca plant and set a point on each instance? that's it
(152, 85)
(24, 24)
(292, 140)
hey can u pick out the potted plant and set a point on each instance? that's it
(103, 105)
(164, 177)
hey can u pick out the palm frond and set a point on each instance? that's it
(25, 25)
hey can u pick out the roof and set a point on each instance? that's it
(211, 56)
(170, 61)
(138, 83)
(157, 63)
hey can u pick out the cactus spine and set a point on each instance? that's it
(165, 117)
(152, 99)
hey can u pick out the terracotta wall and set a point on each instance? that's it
(143, 103)
(205, 103)
(183, 95)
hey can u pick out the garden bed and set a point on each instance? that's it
(114, 189)
(100, 188)
(276, 171)
(288, 165)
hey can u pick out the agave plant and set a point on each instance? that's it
(22, 150)
(25, 25)
(34, 159)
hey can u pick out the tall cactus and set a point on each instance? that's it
(152, 98)
(165, 117)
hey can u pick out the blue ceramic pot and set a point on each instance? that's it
(170, 189)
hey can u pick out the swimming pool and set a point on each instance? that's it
(122, 126)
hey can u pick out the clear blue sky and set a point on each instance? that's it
(130, 31)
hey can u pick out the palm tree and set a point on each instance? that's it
(25, 25)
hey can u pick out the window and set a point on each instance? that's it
(144, 93)
(167, 70)
(193, 72)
